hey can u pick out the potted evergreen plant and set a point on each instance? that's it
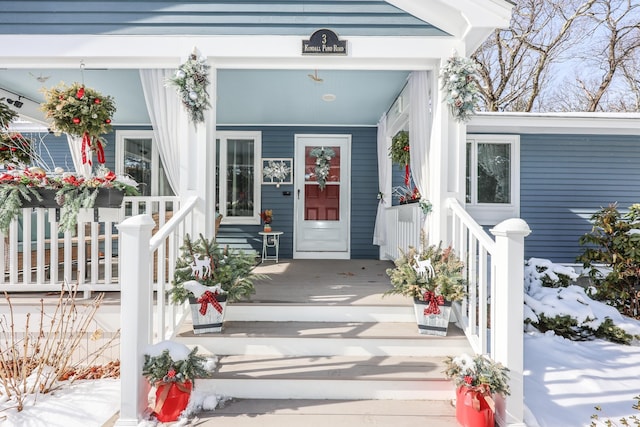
(477, 380)
(433, 278)
(209, 276)
(171, 368)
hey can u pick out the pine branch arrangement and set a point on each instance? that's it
(232, 270)
(163, 368)
(446, 278)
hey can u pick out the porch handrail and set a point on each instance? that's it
(495, 297)
(169, 316)
(142, 257)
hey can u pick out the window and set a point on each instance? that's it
(137, 156)
(493, 177)
(238, 156)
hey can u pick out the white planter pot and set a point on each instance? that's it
(212, 320)
(432, 324)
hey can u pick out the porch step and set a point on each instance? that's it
(334, 413)
(238, 239)
(318, 312)
(311, 377)
(325, 339)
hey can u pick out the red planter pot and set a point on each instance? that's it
(171, 400)
(472, 408)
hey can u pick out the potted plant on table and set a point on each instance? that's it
(209, 276)
(267, 216)
(478, 379)
(171, 368)
(433, 278)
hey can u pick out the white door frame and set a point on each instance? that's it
(345, 186)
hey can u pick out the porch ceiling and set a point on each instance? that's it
(253, 97)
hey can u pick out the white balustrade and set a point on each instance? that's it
(494, 304)
(36, 256)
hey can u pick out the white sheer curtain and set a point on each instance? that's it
(164, 109)
(419, 129)
(75, 146)
(384, 180)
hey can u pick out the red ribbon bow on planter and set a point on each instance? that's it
(209, 298)
(434, 301)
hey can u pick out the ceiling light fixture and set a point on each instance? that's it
(16, 103)
(328, 97)
(315, 77)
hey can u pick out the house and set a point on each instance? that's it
(286, 78)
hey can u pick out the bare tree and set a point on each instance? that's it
(612, 54)
(515, 62)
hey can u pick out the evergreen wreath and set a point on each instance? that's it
(399, 150)
(80, 111)
(462, 93)
(323, 157)
(191, 80)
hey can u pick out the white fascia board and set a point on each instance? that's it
(556, 123)
(109, 51)
(468, 20)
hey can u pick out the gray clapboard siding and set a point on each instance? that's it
(282, 17)
(565, 179)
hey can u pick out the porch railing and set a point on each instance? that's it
(138, 310)
(404, 224)
(36, 256)
(492, 313)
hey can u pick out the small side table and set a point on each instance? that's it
(270, 239)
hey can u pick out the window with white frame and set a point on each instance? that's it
(493, 177)
(238, 179)
(137, 156)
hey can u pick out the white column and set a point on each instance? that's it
(206, 164)
(135, 315)
(507, 300)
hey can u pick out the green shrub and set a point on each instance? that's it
(614, 242)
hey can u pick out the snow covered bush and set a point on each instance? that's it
(552, 303)
(614, 242)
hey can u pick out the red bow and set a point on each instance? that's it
(86, 144)
(206, 298)
(434, 301)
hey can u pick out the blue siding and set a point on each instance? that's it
(565, 179)
(279, 142)
(159, 17)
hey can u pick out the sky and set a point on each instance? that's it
(564, 380)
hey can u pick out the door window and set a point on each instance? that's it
(322, 184)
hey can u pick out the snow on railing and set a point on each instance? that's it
(492, 313)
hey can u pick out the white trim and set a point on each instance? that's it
(494, 213)
(556, 123)
(223, 136)
(263, 51)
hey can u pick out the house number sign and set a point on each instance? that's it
(324, 42)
